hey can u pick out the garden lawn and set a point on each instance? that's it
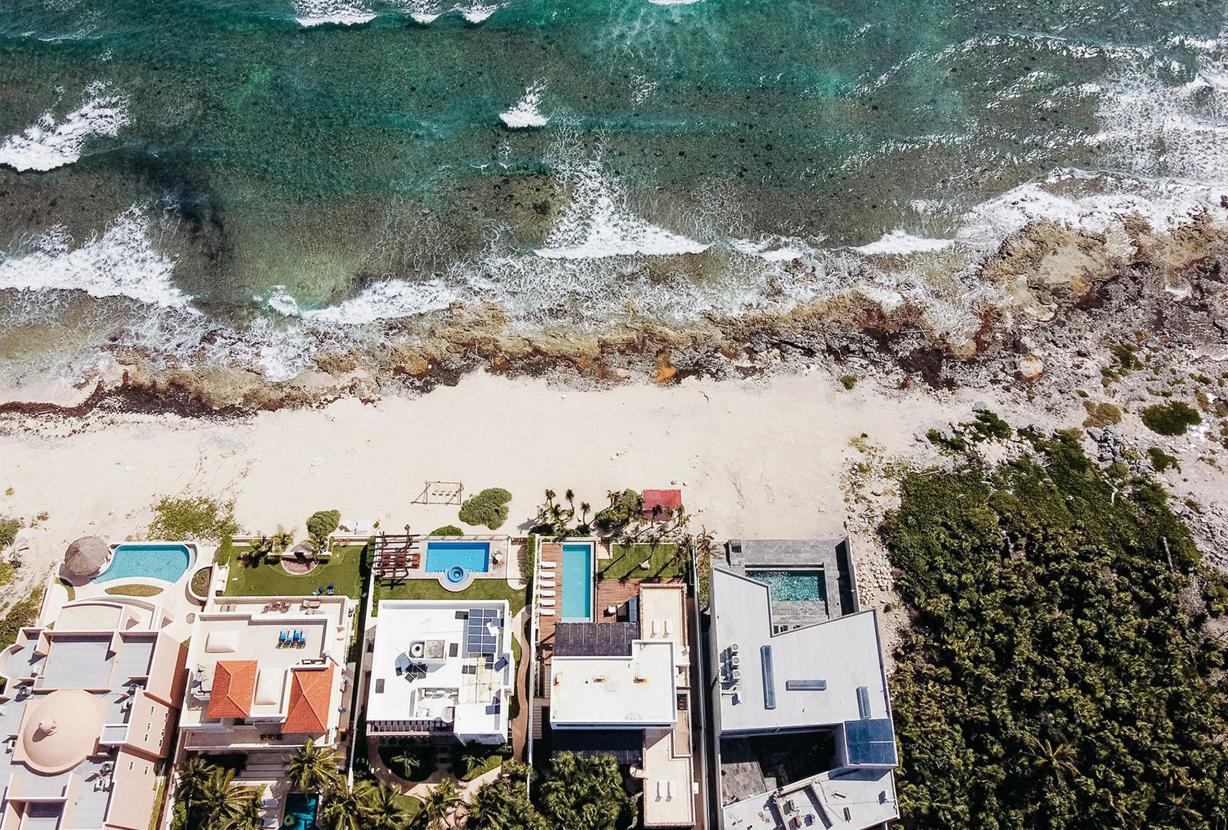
(626, 559)
(343, 569)
(431, 589)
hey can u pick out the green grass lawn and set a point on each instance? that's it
(270, 580)
(431, 589)
(626, 559)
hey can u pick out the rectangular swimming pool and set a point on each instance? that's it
(793, 585)
(165, 562)
(577, 581)
(474, 557)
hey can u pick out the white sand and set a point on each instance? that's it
(757, 459)
(751, 459)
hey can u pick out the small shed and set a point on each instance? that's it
(661, 504)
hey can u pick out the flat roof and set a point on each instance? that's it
(803, 678)
(634, 691)
(78, 661)
(443, 661)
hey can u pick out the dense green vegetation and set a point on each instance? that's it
(192, 517)
(206, 797)
(576, 791)
(20, 613)
(1161, 461)
(8, 531)
(1052, 678)
(488, 507)
(321, 524)
(448, 530)
(1171, 418)
(985, 426)
(624, 508)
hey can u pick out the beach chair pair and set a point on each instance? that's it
(330, 590)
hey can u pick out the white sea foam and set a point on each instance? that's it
(525, 114)
(774, 248)
(122, 261)
(598, 222)
(899, 242)
(388, 300)
(425, 12)
(478, 12)
(51, 143)
(338, 12)
(674, 2)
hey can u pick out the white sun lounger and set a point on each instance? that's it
(546, 612)
(654, 628)
(546, 603)
(546, 592)
(550, 566)
(669, 628)
(546, 583)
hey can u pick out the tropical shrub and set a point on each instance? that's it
(1052, 678)
(192, 517)
(8, 531)
(488, 507)
(1171, 418)
(448, 530)
(585, 791)
(625, 507)
(321, 524)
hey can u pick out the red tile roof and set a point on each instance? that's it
(668, 500)
(234, 683)
(311, 697)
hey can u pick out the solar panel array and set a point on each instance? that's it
(478, 638)
(870, 741)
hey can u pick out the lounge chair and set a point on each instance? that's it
(332, 587)
(550, 566)
(281, 638)
(546, 592)
(318, 591)
(654, 628)
(669, 628)
(546, 612)
(546, 603)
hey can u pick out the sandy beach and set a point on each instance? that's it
(766, 458)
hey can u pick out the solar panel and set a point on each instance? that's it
(479, 640)
(870, 742)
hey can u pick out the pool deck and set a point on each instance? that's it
(413, 550)
(828, 555)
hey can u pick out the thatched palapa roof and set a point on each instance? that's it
(86, 556)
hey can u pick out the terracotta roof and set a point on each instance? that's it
(668, 500)
(234, 682)
(311, 696)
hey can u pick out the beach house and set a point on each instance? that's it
(87, 717)
(441, 670)
(799, 703)
(267, 673)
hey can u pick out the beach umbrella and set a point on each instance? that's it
(86, 556)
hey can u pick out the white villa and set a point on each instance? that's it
(267, 673)
(441, 668)
(795, 662)
(623, 689)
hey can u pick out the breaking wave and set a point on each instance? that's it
(50, 142)
(337, 12)
(525, 114)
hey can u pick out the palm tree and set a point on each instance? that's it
(193, 777)
(439, 804)
(1055, 760)
(245, 814)
(343, 808)
(382, 807)
(409, 763)
(282, 539)
(312, 768)
(225, 805)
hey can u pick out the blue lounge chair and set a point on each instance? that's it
(318, 591)
(281, 638)
(331, 588)
(302, 638)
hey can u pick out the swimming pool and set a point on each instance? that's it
(165, 562)
(577, 581)
(442, 557)
(793, 585)
(300, 811)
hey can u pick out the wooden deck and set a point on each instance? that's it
(550, 552)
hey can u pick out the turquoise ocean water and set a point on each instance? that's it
(241, 181)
